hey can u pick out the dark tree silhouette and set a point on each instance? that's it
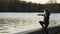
(22, 6)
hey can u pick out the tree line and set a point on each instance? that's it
(22, 6)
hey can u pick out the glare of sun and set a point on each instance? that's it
(37, 1)
(58, 1)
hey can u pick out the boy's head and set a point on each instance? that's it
(46, 10)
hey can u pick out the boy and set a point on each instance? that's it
(46, 15)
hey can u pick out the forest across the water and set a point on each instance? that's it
(22, 6)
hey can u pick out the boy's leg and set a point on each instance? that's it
(46, 25)
(46, 31)
(41, 22)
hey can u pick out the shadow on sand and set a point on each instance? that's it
(52, 30)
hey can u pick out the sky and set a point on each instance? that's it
(41, 1)
(58, 1)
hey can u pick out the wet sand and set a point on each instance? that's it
(52, 30)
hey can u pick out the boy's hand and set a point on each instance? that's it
(38, 15)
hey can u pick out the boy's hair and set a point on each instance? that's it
(46, 9)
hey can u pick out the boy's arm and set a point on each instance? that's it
(40, 15)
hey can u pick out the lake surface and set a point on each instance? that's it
(27, 15)
(17, 22)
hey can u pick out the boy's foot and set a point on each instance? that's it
(42, 28)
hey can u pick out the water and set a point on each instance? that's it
(17, 22)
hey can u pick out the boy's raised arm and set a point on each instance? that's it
(40, 15)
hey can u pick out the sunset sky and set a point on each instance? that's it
(41, 1)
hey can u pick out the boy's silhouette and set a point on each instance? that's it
(46, 15)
